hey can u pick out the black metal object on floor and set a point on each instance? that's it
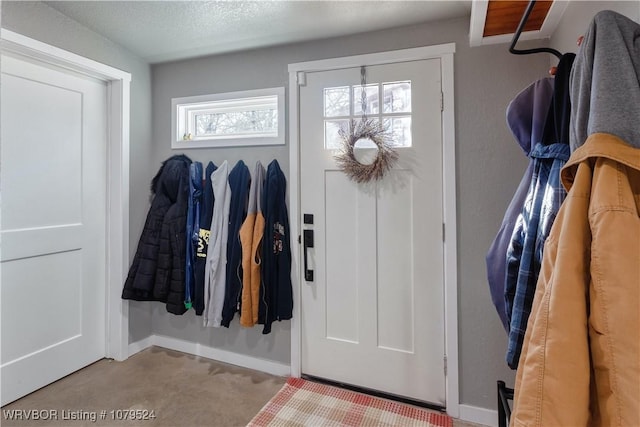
(504, 410)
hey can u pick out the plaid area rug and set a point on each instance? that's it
(306, 403)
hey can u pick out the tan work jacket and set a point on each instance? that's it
(580, 364)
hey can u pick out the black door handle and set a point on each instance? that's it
(307, 242)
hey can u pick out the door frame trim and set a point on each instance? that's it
(117, 215)
(297, 72)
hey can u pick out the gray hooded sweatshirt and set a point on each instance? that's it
(605, 81)
(216, 261)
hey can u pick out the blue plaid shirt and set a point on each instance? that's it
(524, 256)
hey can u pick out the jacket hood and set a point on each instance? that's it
(527, 113)
(172, 176)
(273, 169)
(605, 81)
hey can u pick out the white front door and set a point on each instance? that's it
(373, 316)
(53, 185)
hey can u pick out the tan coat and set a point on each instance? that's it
(580, 364)
(251, 234)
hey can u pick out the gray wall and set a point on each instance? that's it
(40, 22)
(489, 163)
(489, 166)
(578, 16)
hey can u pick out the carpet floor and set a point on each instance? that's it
(180, 389)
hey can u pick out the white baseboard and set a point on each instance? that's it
(263, 365)
(478, 415)
(138, 346)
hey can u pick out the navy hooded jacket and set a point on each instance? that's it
(239, 180)
(206, 212)
(193, 231)
(526, 117)
(276, 302)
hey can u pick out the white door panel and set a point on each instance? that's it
(374, 315)
(57, 303)
(53, 184)
(49, 135)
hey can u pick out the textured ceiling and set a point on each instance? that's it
(161, 31)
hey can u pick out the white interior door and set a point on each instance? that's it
(53, 184)
(374, 314)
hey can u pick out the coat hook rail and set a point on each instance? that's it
(519, 30)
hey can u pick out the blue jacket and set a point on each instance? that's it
(192, 232)
(526, 116)
(276, 302)
(544, 198)
(239, 179)
(524, 257)
(206, 212)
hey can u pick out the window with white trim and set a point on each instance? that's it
(233, 119)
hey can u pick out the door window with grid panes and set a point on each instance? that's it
(387, 101)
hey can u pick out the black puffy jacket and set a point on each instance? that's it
(157, 271)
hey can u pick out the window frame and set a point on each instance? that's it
(381, 115)
(183, 112)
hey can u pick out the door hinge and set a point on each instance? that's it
(443, 232)
(445, 365)
(441, 101)
(301, 77)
